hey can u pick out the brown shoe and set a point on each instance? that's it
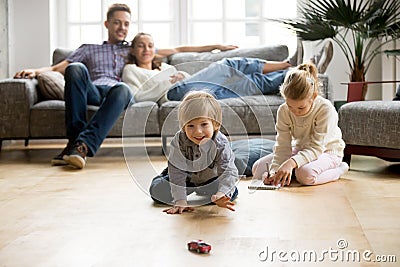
(77, 158)
(59, 159)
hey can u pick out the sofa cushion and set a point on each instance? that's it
(48, 120)
(51, 85)
(247, 115)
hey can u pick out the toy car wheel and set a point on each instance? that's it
(198, 250)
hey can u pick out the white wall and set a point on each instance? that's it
(391, 71)
(31, 45)
(4, 39)
(29, 34)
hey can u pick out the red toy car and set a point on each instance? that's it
(199, 246)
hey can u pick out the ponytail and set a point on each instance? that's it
(301, 83)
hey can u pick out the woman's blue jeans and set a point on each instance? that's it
(231, 77)
(80, 92)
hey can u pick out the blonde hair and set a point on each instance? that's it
(301, 83)
(199, 104)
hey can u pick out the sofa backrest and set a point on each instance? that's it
(60, 54)
(192, 62)
(198, 61)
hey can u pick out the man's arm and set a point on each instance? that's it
(32, 73)
(205, 48)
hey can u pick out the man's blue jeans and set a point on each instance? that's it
(80, 92)
(231, 77)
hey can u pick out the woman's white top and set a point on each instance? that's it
(149, 85)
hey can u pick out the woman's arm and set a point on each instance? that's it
(271, 66)
(205, 48)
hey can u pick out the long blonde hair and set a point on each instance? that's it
(301, 82)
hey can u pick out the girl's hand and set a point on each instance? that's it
(284, 174)
(223, 201)
(179, 207)
(267, 178)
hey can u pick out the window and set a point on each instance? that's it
(174, 22)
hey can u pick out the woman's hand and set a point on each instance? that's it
(179, 207)
(226, 47)
(284, 174)
(176, 77)
(223, 201)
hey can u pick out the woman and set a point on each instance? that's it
(148, 77)
(151, 79)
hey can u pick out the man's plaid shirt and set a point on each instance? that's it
(104, 62)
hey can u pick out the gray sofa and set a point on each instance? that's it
(26, 114)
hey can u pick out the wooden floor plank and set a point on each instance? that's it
(102, 215)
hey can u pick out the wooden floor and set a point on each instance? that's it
(103, 216)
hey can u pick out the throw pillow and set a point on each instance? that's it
(248, 151)
(51, 85)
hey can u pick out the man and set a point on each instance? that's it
(93, 77)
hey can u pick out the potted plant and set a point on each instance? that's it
(359, 27)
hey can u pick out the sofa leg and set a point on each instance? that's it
(26, 141)
(1, 143)
(347, 158)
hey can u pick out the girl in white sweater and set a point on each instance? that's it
(308, 139)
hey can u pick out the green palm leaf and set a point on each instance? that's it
(353, 24)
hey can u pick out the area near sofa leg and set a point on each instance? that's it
(347, 158)
(26, 142)
(164, 145)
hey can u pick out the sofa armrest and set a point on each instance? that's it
(17, 96)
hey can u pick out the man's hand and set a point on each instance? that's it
(179, 207)
(223, 201)
(25, 74)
